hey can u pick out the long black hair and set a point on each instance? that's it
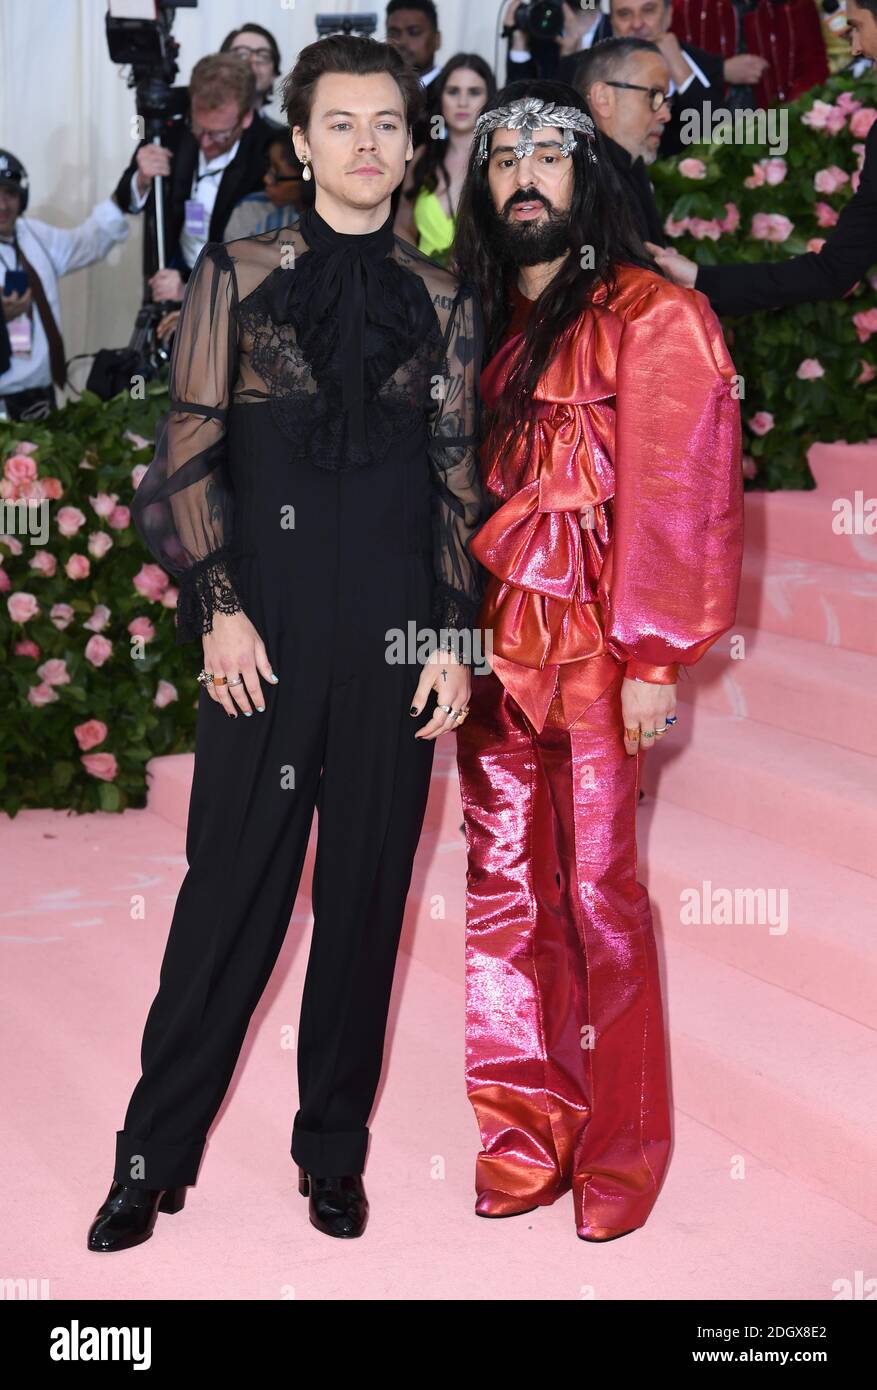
(599, 218)
(432, 157)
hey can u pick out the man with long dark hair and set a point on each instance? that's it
(613, 552)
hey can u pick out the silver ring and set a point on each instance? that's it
(446, 708)
(239, 681)
(205, 677)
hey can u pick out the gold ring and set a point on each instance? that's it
(632, 734)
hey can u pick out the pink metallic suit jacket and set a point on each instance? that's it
(637, 420)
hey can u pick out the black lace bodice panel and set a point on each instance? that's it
(346, 351)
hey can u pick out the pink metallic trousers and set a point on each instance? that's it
(565, 1052)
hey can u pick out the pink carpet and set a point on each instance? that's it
(771, 1020)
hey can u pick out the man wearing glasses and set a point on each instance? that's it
(210, 163)
(626, 83)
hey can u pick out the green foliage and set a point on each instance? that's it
(86, 448)
(769, 347)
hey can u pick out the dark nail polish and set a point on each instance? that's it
(413, 709)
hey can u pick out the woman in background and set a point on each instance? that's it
(434, 178)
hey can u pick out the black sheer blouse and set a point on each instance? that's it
(343, 338)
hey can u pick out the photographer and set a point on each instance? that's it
(35, 253)
(211, 162)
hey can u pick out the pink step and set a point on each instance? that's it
(831, 604)
(800, 524)
(826, 954)
(844, 467)
(824, 693)
(778, 1074)
(786, 786)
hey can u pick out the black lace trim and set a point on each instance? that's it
(298, 359)
(206, 589)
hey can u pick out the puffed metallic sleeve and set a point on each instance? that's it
(184, 506)
(678, 526)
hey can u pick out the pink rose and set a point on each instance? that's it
(43, 562)
(169, 597)
(137, 440)
(98, 650)
(757, 177)
(150, 581)
(23, 446)
(22, 607)
(830, 180)
(78, 567)
(69, 520)
(165, 694)
(99, 543)
(41, 694)
(816, 244)
(862, 121)
(54, 671)
(856, 180)
(762, 422)
(701, 227)
(867, 373)
(825, 215)
(33, 489)
(817, 116)
(5, 581)
(99, 618)
(102, 765)
(90, 734)
(848, 103)
(53, 488)
(775, 171)
(27, 648)
(61, 615)
(12, 542)
(866, 324)
(104, 502)
(141, 627)
(138, 474)
(19, 468)
(692, 168)
(771, 226)
(119, 518)
(810, 369)
(750, 467)
(731, 221)
(675, 229)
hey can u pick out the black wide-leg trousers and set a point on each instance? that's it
(335, 735)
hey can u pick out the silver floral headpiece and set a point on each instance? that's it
(529, 114)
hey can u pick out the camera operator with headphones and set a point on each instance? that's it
(33, 255)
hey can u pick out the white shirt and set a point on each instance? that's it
(205, 186)
(430, 76)
(53, 252)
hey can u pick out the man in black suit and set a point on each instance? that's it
(849, 251)
(412, 28)
(209, 162)
(695, 76)
(625, 83)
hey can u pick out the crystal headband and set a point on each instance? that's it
(530, 114)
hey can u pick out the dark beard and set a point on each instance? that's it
(528, 243)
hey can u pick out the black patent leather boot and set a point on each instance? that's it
(336, 1206)
(129, 1214)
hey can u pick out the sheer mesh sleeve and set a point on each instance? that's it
(459, 505)
(184, 506)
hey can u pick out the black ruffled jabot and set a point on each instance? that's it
(343, 281)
